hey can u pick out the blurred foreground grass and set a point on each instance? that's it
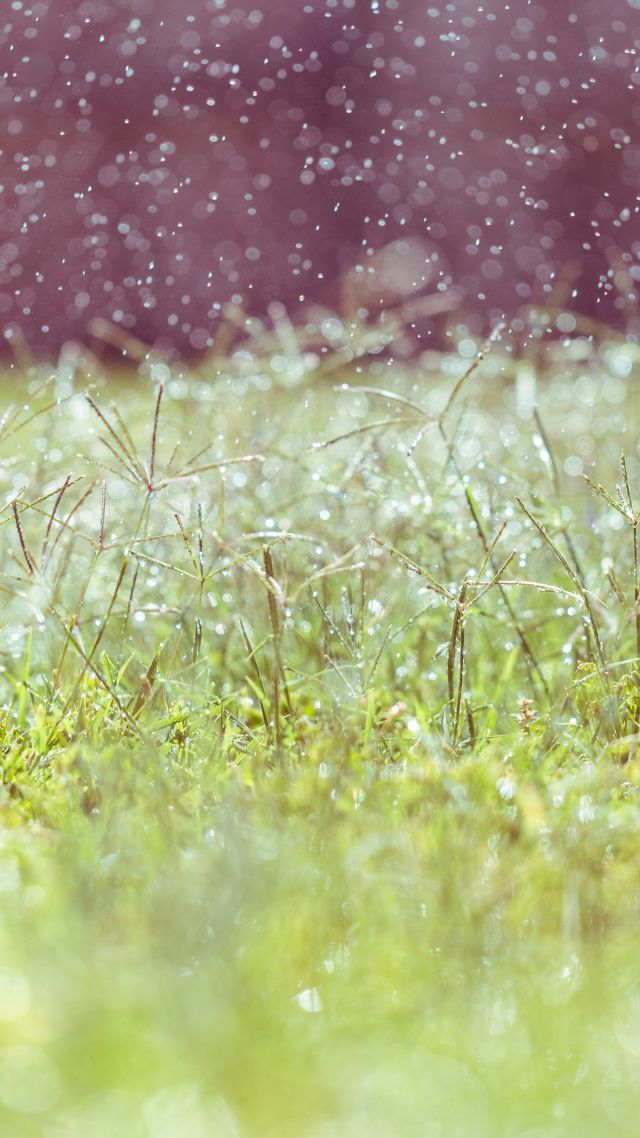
(320, 752)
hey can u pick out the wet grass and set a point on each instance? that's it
(320, 738)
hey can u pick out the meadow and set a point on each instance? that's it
(320, 733)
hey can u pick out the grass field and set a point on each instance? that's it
(320, 738)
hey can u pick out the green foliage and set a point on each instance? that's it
(319, 753)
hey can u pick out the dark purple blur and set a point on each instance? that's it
(163, 157)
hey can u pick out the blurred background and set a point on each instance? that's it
(165, 164)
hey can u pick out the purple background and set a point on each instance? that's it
(160, 158)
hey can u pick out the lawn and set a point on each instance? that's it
(320, 745)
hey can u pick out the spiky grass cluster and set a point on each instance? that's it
(216, 563)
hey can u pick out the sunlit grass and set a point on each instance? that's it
(319, 736)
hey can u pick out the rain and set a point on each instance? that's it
(165, 169)
(319, 568)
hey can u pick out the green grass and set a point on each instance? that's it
(320, 736)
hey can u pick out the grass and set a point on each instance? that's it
(320, 735)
